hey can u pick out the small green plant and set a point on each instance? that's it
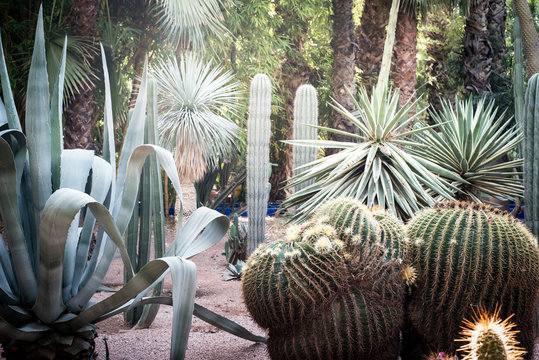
(234, 272)
(377, 169)
(237, 241)
(470, 253)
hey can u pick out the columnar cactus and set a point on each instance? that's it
(319, 302)
(258, 135)
(465, 254)
(305, 115)
(531, 148)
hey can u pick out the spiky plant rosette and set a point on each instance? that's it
(489, 337)
(311, 284)
(470, 253)
(470, 142)
(377, 169)
(196, 103)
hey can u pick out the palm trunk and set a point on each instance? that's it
(437, 51)
(371, 35)
(477, 50)
(530, 40)
(405, 54)
(80, 110)
(497, 13)
(343, 45)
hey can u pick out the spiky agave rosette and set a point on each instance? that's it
(319, 300)
(489, 337)
(469, 253)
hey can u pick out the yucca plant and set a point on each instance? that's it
(377, 169)
(50, 200)
(196, 101)
(470, 143)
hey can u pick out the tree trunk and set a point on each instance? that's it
(530, 40)
(497, 13)
(405, 54)
(371, 35)
(437, 51)
(344, 46)
(80, 111)
(477, 50)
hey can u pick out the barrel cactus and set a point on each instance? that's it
(320, 302)
(488, 337)
(468, 253)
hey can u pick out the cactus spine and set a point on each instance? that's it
(488, 337)
(466, 254)
(258, 135)
(305, 115)
(531, 147)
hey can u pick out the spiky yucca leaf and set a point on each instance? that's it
(469, 142)
(378, 169)
(196, 102)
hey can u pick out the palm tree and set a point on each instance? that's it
(343, 45)
(530, 40)
(80, 110)
(371, 34)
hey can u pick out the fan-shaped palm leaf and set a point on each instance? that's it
(469, 143)
(377, 170)
(187, 21)
(196, 100)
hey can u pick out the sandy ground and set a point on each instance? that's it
(205, 341)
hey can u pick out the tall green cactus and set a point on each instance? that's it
(470, 254)
(318, 303)
(518, 74)
(531, 147)
(305, 116)
(258, 135)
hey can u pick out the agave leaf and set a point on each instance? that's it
(57, 140)
(3, 114)
(9, 211)
(38, 127)
(10, 108)
(188, 243)
(29, 332)
(225, 324)
(57, 217)
(183, 294)
(109, 149)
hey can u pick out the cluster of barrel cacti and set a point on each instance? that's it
(320, 291)
(329, 291)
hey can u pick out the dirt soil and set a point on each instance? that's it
(205, 341)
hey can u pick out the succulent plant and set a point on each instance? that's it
(319, 301)
(469, 253)
(376, 168)
(305, 118)
(258, 136)
(468, 146)
(531, 161)
(488, 337)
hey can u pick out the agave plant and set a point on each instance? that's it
(50, 200)
(377, 169)
(195, 101)
(470, 143)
